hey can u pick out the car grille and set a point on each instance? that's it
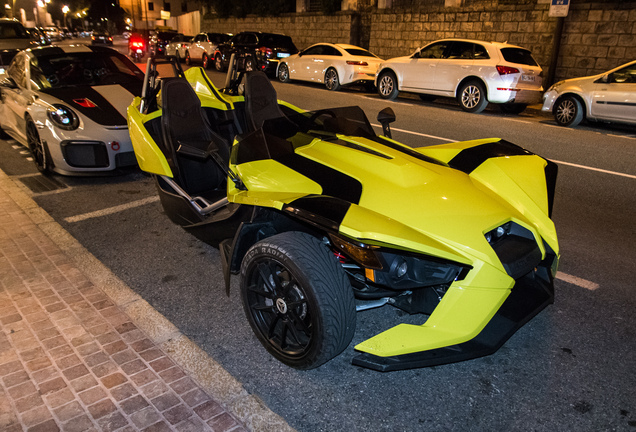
(125, 159)
(518, 251)
(85, 154)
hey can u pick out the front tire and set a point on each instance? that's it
(298, 300)
(387, 86)
(38, 148)
(472, 97)
(283, 73)
(218, 63)
(188, 60)
(332, 82)
(249, 64)
(205, 61)
(568, 111)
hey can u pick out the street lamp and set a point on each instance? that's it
(65, 10)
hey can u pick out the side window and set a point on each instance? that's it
(331, 51)
(481, 53)
(434, 51)
(315, 50)
(460, 50)
(626, 75)
(250, 39)
(38, 80)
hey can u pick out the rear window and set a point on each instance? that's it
(278, 41)
(360, 52)
(11, 30)
(518, 56)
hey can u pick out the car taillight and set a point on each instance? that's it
(505, 70)
(267, 51)
(357, 63)
(137, 44)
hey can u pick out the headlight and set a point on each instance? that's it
(63, 117)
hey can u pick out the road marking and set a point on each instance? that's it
(622, 136)
(417, 133)
(111, 210)
(595, 169)
(515, 120)
(583, 283)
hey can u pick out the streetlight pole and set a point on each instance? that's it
(65, 10)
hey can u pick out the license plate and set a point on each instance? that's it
(282, 55)
(527, 78)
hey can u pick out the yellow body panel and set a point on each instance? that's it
(149, 157)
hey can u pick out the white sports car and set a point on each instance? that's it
(331, 64)
(67, 104)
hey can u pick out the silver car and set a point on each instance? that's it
(610, 97)
(68, 105)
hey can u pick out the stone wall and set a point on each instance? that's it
(304, 28)
(596, 36)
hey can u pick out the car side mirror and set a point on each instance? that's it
(8, 82)
(386, 117)
(604, 79)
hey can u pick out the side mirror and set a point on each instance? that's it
(386, 117)
(8, 82)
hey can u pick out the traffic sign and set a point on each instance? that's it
(559, 8)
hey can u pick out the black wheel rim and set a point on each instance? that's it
(279, 307)
(35, 145)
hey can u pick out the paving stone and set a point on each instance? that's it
(92, 395)
(144, 377)
(28, 402)
(223, 422)
(83, 383)
(15, 379)
(78, 424)
(75, 372)
(68, 361)
(195, 397)
(177, 414)
(134, 404)
(160, 364)
(104, 369)
(36, 416)
(102, 408)
(113, 380)
(59, 398)
(68, 411)
(112, 422)
(154, 389)
(124, 356)
(123, 392)
(159, 427)
(165, 401)
(47, 426)
(183, 385)
(145, 417)
(208, 410)
(51, 386)
(133, 367)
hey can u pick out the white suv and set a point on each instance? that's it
(475, 72)
(202, 48)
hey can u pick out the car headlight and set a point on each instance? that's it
(63, 117)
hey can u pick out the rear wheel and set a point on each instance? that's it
(205, 61)
(297, 299)
(387, 85)
(37, 147)
(188, 60)
(249, 64)
(332, 82)
(568, 111)
(472, 97)
(283, 73)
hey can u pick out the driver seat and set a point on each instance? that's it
(261, 101)
(185, 124)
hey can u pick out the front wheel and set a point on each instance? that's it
(568, 111)
(298, 300)
(332, 82)
(387, 86)
(205, 61)
(218, 62)
(249, 64)
(283, 73)
(38, 148)
(472, 97)
(188, 60)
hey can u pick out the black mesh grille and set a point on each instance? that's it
(85, 154)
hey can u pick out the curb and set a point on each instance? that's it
(210, 375)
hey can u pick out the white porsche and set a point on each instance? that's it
(67, 104)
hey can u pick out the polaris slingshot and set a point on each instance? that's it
(322, 218)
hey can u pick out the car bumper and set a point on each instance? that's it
(529, 296)
(549, 98)
(514, 95)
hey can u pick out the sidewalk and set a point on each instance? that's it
(82, 353)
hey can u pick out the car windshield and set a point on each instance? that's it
(518, 56)
(83, 68)
(360, 52)
(10, 30)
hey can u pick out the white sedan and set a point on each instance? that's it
(331, 64)
(67, 104)
(610, 96)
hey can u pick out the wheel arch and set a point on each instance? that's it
(397, 76)
(574, 95)
(464, 80)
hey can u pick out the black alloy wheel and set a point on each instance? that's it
(37, 147)
(298, 299)
(472, 97)
(283, 73)
(568, 111)
(332, 82)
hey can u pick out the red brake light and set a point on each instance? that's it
(505, 70)
(266, 51)
(138, 44)
(357, 63)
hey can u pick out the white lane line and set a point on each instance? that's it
(583, 283)
(111, 210)
(417, 133)
(622, 136)
(595, 169)
(515, 120)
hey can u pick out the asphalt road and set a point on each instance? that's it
(571, 368)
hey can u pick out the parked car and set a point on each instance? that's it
(203, 47)
(53, 33)
(13, 38)
(67, 104)
(178, 45)
(101, 37)
(331, 64)
(609, 97)
(474, 72)
(158, 42)
(320, 218)
(255, 51)
(39, 36)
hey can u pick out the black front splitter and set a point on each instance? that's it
(530, 295)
